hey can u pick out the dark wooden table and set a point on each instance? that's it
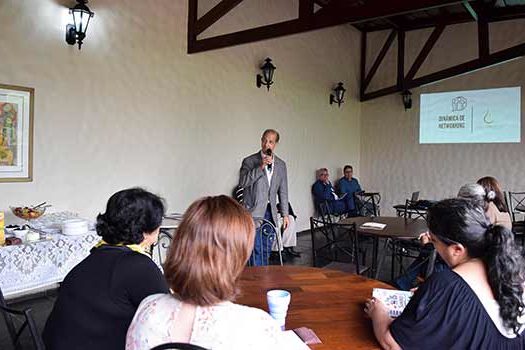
(396, 228)
(329, 302)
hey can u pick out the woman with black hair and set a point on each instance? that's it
(99, 297)
(478, 304)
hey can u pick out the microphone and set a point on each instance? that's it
(269, 153)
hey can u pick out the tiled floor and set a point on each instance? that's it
(42, 305)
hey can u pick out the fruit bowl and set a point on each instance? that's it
(28, 213)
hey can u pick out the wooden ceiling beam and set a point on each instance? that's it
(494, 15)
(306, 9)
(216, 13)
(423, 54)
(467, 67)
(379, 59)
(470, 66)
(472, 12)
(328, 16)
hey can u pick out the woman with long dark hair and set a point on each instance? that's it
(478, 304)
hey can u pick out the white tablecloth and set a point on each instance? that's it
(36, 265)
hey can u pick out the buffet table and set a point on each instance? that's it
(31, 266)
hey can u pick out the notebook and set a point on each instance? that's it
(373, 225)
(395, 300)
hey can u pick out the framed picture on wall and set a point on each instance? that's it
(16, 133)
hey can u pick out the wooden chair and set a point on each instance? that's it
(10, 315)
(178, 346)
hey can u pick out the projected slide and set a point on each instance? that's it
(476, 116)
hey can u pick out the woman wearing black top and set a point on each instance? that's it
(99, 297)
(478, 304)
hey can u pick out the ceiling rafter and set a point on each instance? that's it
(216, 13)
(423, 54)
(408, 81)
(493, 15)
(379, 59)
(334, 13)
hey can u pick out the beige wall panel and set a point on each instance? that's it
(133, 109)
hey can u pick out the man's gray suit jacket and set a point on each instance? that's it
(257, 190)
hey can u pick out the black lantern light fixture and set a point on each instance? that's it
(76, 32)
(339, 94)
(267, 74)
(407, 99)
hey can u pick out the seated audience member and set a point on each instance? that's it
(480, 197)
(204, 263)
(478, 304)
(419, 266)
(99, 297)
(324, 192)
(289, 236)
(497, 210)
(349, 185)
(486, 199)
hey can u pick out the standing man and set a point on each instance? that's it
(349, 185)
(263, 177)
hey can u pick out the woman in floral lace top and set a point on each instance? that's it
(205, 260)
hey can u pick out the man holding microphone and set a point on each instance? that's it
(263, 176)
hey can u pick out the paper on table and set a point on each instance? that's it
(394, 300)
(293, 342)
(373, 225)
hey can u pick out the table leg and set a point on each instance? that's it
(392, 267)
(375, 244)
(378, 265)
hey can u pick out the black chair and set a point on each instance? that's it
(367, 203)
(425, 267)
(336, 246)
(414, 210)
(178, 346)
(14, 316)
(516, 204)
(159, 250)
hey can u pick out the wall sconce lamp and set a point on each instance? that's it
(339, 94)
(407, 99)
(267, 74)
(76, 32)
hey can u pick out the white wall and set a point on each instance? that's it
(392, 160)
(133, 109)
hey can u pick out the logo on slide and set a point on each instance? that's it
(459, 103)
(487, 118)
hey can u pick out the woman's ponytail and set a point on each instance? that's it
(505, 267)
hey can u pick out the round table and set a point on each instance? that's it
(328, 302)
(397, 228)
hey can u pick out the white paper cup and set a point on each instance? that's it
(278, 301)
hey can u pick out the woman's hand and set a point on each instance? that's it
(424, 238)
(377, 311)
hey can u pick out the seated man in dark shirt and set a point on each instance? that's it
(348, 185)
(324, 192)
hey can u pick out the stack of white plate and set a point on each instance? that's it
(74, 227)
